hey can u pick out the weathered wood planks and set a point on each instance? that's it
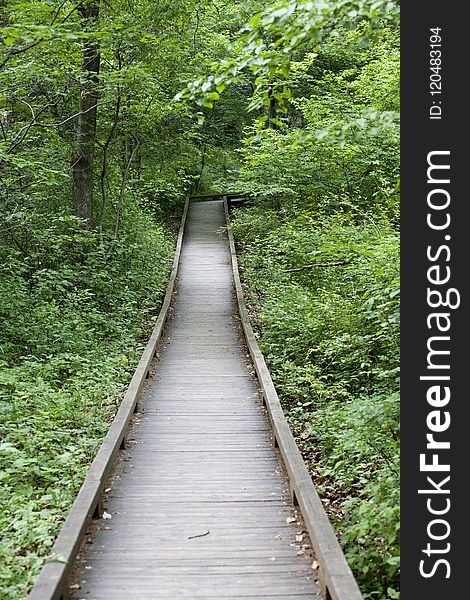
(200, 504)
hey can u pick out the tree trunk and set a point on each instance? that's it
(3, 14)
(82, 158)
(272, 110)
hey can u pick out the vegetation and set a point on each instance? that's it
(73, 329)
(110, 112)
(319, 251)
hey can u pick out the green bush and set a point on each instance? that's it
(330, 335)
(76, 310)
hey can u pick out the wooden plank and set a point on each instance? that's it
(190, 595)
(130, 593)
(144, 577)
(272, 568)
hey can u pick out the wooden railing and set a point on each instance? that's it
(335, 576)
(233, 198)
(52, 583)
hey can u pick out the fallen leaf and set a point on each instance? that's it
(106, 515)
(315, 565)
(291, 519)
(299, 538)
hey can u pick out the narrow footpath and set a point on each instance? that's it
(199, 506)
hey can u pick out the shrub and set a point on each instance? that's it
(76, 311)
(330, 336)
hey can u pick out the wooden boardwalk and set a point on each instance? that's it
(199, 504)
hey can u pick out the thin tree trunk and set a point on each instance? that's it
(203, 162)
(104, 164)
(125, 174)
(272, 110)
(82, 158)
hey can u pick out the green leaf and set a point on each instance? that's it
(255, 20)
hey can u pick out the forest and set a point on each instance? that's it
(111, 113)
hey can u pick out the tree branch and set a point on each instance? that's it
(79, 114)
(338, 263)
(13, 53)
(23, 132)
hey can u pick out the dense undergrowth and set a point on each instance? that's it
(330, 336)
(75, 317)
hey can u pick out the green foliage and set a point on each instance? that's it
(330, 336)
(74, 321)
(271, 38)
(319, 253)
(339, 147)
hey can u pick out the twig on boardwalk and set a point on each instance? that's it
(191, 537)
